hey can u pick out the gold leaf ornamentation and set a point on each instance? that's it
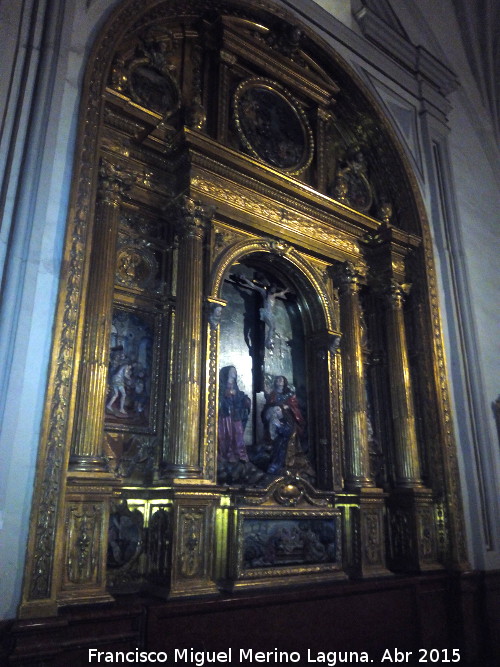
(300, 224)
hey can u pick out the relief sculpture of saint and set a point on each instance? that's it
(234, 409)
(262, 425)
(285, 426)
(280, 449)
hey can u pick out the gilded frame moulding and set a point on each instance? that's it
(210, 403)
(290, 102)
(314, 286)
(455, 524)
(280, 217)
(152, 317)
(316, 569)
(244, 248)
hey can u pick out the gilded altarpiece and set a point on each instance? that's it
(237, 398)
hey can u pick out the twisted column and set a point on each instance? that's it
(86, 450)
(357, 455)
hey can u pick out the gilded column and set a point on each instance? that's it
(214, 309)
(411, 512)
(184, 460)
(412, 534)
(86, 451)
(407, 463)
(364, 511)
(357, 455)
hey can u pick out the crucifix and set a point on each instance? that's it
(269, 295)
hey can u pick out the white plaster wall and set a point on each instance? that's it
(475, 157)
(473, 251)
(26, 312)
(478, 221)
(35, 215)
(478, 197)
(341, 9)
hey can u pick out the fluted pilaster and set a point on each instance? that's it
(184, 459)
(406, 455)
(86, 452)
(357, 456)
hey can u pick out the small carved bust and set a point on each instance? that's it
(385, 210)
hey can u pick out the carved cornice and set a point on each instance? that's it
(221, 163)
(248, 201)
(379, 24)
(289, 490)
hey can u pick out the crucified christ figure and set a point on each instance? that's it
(269, 296)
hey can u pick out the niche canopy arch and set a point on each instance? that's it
(238, 203)
(276, 315)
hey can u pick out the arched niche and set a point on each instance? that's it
(276, 320)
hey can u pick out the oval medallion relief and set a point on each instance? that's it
(272, 125)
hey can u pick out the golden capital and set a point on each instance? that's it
(114, 182)
(346, 277)
(325, 115)
(193, 218)
(327, 341)
(214, 308)
(396, 293)
(279, 247)
(332, 341)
